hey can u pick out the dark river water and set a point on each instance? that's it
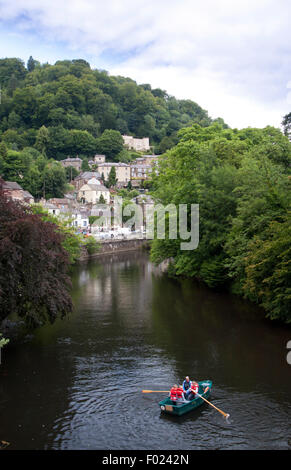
(77, 384)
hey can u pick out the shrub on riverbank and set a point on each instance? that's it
(72, 242)
(34, 280)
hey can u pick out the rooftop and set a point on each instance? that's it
(11, 185)
(113, 164)
(98, 187)
(72, 159)
(88, 175)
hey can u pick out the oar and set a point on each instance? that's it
(226, 415)
(155, 391)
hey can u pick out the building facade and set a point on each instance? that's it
(99, 159)
(140, 171)
(122, 171)
(84, 177)
(91, 192)
(74, 162)
(136, 144)
(15, 192)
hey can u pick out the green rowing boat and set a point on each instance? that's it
(178, 409)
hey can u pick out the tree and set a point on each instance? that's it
(85, 164)
(25, 103)
(101, 200)
(12, 139)
(3, 342)
(82, 142)
(30, 64)
(3, 150)
(91, 245)
(60, 142)
(110, 143)
(165, 144)
(268, 270)
(34, 281)
(286, 123)
(14, 121)
(33, 181)
(54, 180)
(71, 173)
(14, 168)
(12, 84)
(263, 197)
(42, 140)
(10, 66)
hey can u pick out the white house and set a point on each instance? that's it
(80, 219)
(52, 209)
(91, 192)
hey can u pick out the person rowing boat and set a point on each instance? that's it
(191, 388)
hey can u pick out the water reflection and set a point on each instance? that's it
(78, 384)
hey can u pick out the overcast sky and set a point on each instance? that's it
(230, 56)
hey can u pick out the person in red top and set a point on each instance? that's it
(177, 394)
(180, 394)
(173, 393)
(194, 389)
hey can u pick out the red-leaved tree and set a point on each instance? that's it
(34, 281)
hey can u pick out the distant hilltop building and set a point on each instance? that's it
(136, 144)
(99, 159)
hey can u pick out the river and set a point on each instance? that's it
(77, 384)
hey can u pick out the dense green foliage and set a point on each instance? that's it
(72, 242)
(112, 180)
(3, 342)
(68, 109)
(241, 181)
(286, 123)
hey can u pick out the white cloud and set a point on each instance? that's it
(232, 58)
